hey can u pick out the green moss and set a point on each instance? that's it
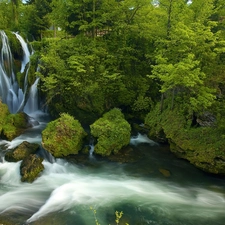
(4, 112)
(112, 132)
(14, 125)
(30, 168)
(202, 146)
(22, 151)
(15, 46)
(63, 136)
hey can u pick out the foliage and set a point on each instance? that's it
(202, 146)
(63, 136)
(112, 132)
(118, 216)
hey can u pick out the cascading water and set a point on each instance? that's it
(26, 56)
(32, 102)
(10, 92)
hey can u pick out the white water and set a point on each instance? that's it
(66, 187)
(32, 102)
(141, 138)
(26, 57)
(10, 92)
(63, 186)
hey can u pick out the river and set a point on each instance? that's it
(156, 189)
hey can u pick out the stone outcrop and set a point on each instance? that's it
(30, 168)
(112, 132)
(63, 136)
(21, 151)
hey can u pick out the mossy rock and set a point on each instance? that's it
(21, 151)
(15, 46)
(4, 112)
(14, 125)
(112, 132)
(201, 146)
(30, 168)
(63, 136)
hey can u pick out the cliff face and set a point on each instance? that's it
(202, 146)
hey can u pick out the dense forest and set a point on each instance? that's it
(160, 62)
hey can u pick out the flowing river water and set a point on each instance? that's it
(157, 189)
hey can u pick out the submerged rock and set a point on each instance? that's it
(126, 155)
(63, 136)
(30, 168)
(112, 132)
(164, 172)
(21, 151)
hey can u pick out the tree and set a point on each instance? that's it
(184, 55)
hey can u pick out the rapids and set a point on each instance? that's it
(65, 191)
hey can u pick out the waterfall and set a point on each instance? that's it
(10, 93)
(26, 56)
(32, 102)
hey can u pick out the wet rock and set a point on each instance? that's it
(125, 155)
(206, 120)
(165, 173)
(14, 125)
(112, 132)
(21, 151)
(30, 168)
(63, 136)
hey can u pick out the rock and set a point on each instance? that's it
(21, 151)
(30, 168)
(125, 155)
(112, 132)
(63, 136)
(206, 120)
(165, 173)
(14, 125)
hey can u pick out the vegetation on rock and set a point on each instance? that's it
(30, 168)
(202, 146)
(112, 132)
(12, 125)
(63, 136)
(21, 151)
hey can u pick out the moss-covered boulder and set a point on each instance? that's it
(4, 113)
(63, 136)
(30, 168)
(21, 151)
(204, 147)
(112, 132)
(14, 125)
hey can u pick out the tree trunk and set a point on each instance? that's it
(162, 101)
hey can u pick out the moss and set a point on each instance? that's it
(63, 136)
(22, 151)
(4, 112)
(112, 132)
(30, 168)
(202, 146)
(15, 124)
(15, 46)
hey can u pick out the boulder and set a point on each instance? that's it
(21, 151)
(112, 132)
(63, 136)
(14, 125)
(30, 168)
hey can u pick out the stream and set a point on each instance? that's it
(157, 189)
